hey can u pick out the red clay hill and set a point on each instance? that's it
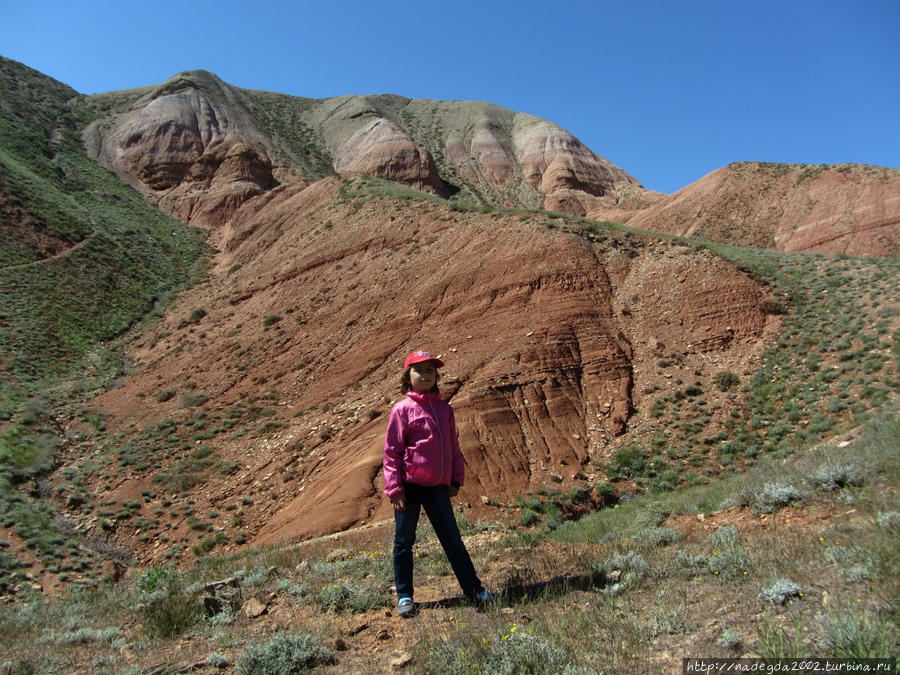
(849, 208)
(316, 295)
(285, 357)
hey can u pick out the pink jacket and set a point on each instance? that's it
(421, 445)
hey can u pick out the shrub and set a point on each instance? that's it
(193, 400)
(626, 568)
(853, 636)
(217, 660)
(772, 306)
(513, 652)
(888, 520)
(627, 462)
(781, 591)
(658, 536)
(337, 597)
(167, 613)
(728, 558)
(518, 652)
(730, 639)
(726, 380)
(271, 320)
(155, 579)
(81, 636)
(528, 517)
(283, 654)
(775, 495)
(835, 476)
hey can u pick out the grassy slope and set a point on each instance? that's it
(796, 559)
(56, 309)
(82, 259)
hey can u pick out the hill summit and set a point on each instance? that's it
(199, 147)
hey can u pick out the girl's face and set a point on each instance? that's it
(422, 376)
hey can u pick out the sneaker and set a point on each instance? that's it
(484, 596)
(405, 606)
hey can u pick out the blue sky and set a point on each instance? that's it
(667, 90)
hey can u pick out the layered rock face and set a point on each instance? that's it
(852, 209)
(548, 338)
(198, 148)
(189, 146)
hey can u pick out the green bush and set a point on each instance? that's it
(856, 636)
(191, 400)
(727, 557)
(513, 652)
(337, 597)
(624, 569)
(528, 517)
(658, 536)
(169, 611)
(627, 462)
(836, 476)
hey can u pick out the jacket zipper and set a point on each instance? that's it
(437, 424)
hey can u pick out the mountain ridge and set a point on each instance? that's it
(473, 152)
(579, 353)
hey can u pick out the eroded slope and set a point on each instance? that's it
(313, 301)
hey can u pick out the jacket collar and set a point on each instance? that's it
(427, 397)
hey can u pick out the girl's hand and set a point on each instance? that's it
(399, 502)
(454, 490)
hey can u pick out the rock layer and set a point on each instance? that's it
(200, 148)
(850, 208)
(190, 146)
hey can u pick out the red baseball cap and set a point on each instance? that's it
(419, 357)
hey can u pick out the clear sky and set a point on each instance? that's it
(668, 90)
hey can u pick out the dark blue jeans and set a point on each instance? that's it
(436, 502)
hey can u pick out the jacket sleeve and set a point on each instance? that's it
(459, 466)
(394, 447)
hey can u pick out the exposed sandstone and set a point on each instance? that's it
(198, 148)
(380, 148)
(851, 209)
(190, 147)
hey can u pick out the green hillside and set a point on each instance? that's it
(82, 259)
(83, 256)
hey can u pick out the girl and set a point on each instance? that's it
(423, 468)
